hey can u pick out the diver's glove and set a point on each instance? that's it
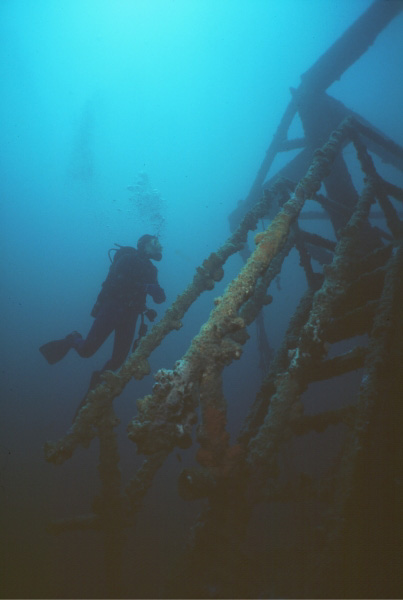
(150, 313)
(156, 292)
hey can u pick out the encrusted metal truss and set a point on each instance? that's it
(353, 299)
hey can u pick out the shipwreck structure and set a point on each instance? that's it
(347, 541)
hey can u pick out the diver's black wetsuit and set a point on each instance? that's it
(121, 300)
(123, 296)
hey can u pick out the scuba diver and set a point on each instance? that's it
(121, 300)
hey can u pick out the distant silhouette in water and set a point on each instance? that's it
(81, 166)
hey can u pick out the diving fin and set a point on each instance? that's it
(56, 350)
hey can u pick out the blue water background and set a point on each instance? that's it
(94, 92)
